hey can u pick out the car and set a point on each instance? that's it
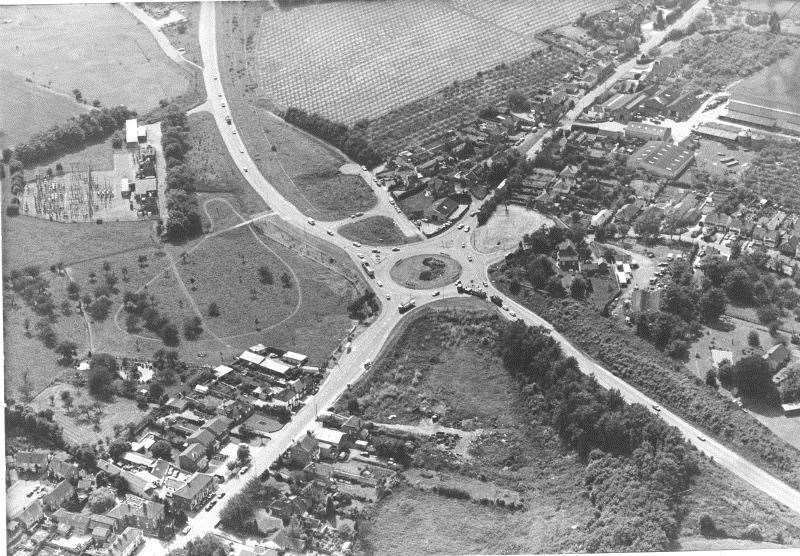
(701, 438)
(466, 228)
(356, 244)
(380, 284)
(364, 168)
(245, 168)
(223, 105)
(311, 221)
(219, 95)
(656, 408)
(651, 255)
(506, 309)
(359, 214)
(469, 258)
(241, 150)
(376, 250)
(216, 77)
(185, 530)
(388, 296)
(211, 505)
(463, 245)
(360, 256)
(512, 314)
(485, 284)
(395, 249)
(220, 496)
(233, 131)
(460, 226)
(436, 293)
(244, 470)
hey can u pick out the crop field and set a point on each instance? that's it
(119, 62)
(776, 86)
(352, 60)
(26, 108)
(374, 230)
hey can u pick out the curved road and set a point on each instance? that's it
(366, 346)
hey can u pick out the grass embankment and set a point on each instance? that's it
(374, 230)
(425, 271)
(300, 166)
(643, 366)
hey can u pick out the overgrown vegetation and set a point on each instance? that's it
(141, 307)
(184, 220)
(774, 172)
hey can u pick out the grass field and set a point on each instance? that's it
(374, 230)
(118, 63)
(443, 269)
(188, 41)
(214, 170)
(26, 108)
(99, 156)
(505, 228)
(351, 60)
(776, 86)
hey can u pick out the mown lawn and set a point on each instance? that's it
(374, 230)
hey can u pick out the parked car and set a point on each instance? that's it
(185, 530)
(244, 470)
(329, 232)
(311, 221)
(395, 249)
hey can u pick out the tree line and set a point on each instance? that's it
(351, 140)
(183, 218)
(637, 465)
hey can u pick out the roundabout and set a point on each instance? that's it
(424, 272)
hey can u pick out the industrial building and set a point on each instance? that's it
(661, 159)
(648, 132)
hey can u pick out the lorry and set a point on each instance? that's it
(368, 269)
(407, 304)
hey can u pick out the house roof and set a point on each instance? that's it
(138, 459)
(222, 370)
(194, 486)
(31, 514)
(31, 458)
(275, 365)
(63, 490)
(194, 451)
(219, 425)
(202, 436)
(308, 443)
(138, 507)
(251, 357)
(329, 436)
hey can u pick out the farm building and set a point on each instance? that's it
(759, 113)
(648, 132)
(661, 159)
(719, 132)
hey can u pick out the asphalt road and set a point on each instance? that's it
(366, 346)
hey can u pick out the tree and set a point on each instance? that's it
(170, 335)
(711, 378)
(739, 286)
(712, 304)
(707, 527)
(132, 322)
(155, 391)
(117, 448)
(648, 226)
(753, 339)
(101, 500)
(265, 275)
(286, 281)
(66, 399)
(753, 378)
(192, 328)
(209, 545)
(86, 457)
(100, 308)
(213, 309)
(161, 449)
(66, 349)
(26, 388)
(774, 23)
(578, 288)
(102, 374)
(517, 101)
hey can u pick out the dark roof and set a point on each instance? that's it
(219, 425)
(195, 485)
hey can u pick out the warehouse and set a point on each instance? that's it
(648, 132)
(131, 133)
(661, 159)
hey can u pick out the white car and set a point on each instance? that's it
(466, 228)
(512, 314)
(356, 244)
(388, 296)
(380, 284)
(219, 95)
(360, 256)
(241, 151)
(311, 222)
(234, 132)
(329, 232)
(223, 105)
(460, 226)
(436, 293)
(245, 168)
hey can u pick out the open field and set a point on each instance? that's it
(28, 241)
(374, 230)
(119, 63)
(350, 60)
(225, 270)
(78, 425)
(786, 8)
(26, 108)
(338, 193)
(505, 228)
(184, 35)
(213, 167)
(776, 86)
(99, 157)
(425, 271)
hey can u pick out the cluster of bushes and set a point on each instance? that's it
(22, 421)
(624, 444)
(17, 180)
(141, 307)
(647, 369)
(238, 513)
(364, 306)
(351, 140)
(184, 220)
(94, 126)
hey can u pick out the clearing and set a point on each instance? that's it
(775, 86)
(505, 228)
(422, 272)
(374, 230)
(118, 63)
(26, 108)
(352, 60)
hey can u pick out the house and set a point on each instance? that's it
(193, 458)
(140, 513)
(71, 521)
(203, 437)
(304, 451)
(31, 462)
(140, 483)
(331, 442)
(195, 492)
(567, 256)
(56, 497)
(352, 426)
(31, 516)
(127, 542)
(220, 426)
(63, 470)
(177, 404)
(441, 210)
(772, 238)
(601, 218)
(102, 526)
(131, 133)
(776, 356)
